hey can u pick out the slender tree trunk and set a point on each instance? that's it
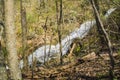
(49, 49)
(106, 37)
(97, 5)
(11, 40)
(97, 23)
(59, 32)
(24, 37)
(45, 48)
(59, 25)
(45, 29)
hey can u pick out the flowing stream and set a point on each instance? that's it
(66, 42)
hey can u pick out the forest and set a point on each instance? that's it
(59, 39)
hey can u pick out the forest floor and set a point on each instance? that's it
(89, 67)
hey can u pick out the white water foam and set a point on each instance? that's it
(66, 42)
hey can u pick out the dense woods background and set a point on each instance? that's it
(26, 25)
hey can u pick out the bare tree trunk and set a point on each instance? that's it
(98, 25)
(97, 5)
(49, 48)
(24, 37)
(106, 37)
(45, 29)
(59, 22)
(11, 40)
(59, 32)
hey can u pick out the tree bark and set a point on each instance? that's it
(106, 38)
(97, 23)
(45, 29)
(11, 40)
(59, 32)
(24, 37)
(59, 25)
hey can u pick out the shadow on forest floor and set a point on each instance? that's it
(90, 67)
